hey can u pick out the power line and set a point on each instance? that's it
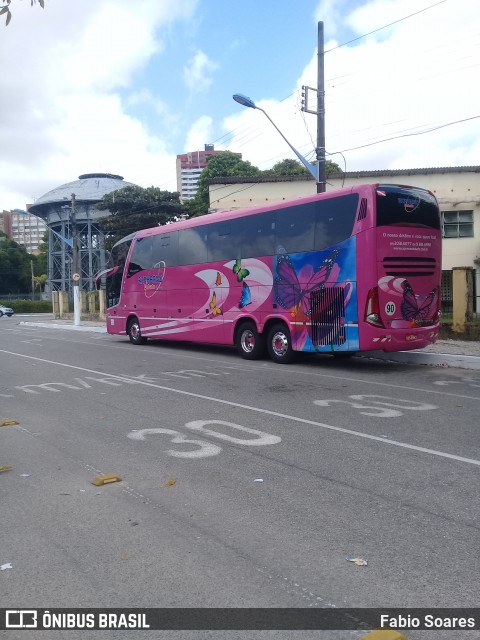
(385, 26)
(406, 135)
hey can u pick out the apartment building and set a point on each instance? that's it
(189, 168)
(6, 223)
(23, 228)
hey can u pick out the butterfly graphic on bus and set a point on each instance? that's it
(288, 291)
(418, 308)
(246, 297)
(214, 309)
(239, 271)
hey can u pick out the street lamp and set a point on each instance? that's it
(248, 102)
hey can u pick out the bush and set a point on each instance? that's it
(29, 306)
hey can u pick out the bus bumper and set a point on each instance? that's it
(400, 340)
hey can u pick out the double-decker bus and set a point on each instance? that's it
(351, 270)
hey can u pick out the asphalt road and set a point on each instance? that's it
(244, 484)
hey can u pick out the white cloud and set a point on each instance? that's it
(62, 114)
(415, 76)
(199, 134)
(197, 74)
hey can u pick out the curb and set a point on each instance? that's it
(53, 325)
(427, 358)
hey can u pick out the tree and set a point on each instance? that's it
(222, 164)
(41, 260)
(291, 167)
(15, 270)
(287, 167)
(134, 208)
(6, 8)
(332, 167)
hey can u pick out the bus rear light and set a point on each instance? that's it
(372, 309)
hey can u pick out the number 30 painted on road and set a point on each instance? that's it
(206, 449)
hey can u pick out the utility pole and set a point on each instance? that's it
(319, 112)
(321, 183)
(76, 267)
(33, 281)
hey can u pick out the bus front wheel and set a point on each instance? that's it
(279, 344)
(134, 333)
(250, 343)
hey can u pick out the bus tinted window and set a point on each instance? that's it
(165, 249)
(295, 229)
(223, 240)
(257, 235)
(141, 258)
(192, 245)
(114, 281)
(334, 220)
(406, 206)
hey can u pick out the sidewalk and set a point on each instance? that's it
(444, 353)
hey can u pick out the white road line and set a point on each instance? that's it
(276, 414)
(265, 367)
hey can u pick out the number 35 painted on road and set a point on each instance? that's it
(204, 448)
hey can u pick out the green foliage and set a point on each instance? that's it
(332, 167)
(15, 269)
(134, 208)
(221, 164)
(29, 306)
(39, 282)
(6, 9)
(41, 266)
(287, 167)
(227, 163)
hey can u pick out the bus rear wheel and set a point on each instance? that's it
(134, 333)
(279, 344)
(250, 343)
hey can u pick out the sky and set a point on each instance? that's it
(122, 87)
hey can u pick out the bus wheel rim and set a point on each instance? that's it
(248, 341)
(135, 330)
(280, 344)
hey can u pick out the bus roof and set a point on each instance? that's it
(221, 216)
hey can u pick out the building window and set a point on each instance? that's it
(457, 224)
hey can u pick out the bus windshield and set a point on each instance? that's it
(397, 205)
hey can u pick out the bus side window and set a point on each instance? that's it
(334, 218)
(295, 229)
(141, 256)
(192, 245)
(165, 249)
(257, 235)
(223, 240)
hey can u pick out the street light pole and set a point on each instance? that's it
(321, 182)
(248, 102)
(76, 268)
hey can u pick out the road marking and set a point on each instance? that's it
(107, 342)
(205, 450)
(260, 440)
(385, 409)
(276, 414)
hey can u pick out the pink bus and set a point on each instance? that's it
(357, 269)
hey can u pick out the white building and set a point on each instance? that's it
(27, 230)
(189, 167)
(457, 190)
